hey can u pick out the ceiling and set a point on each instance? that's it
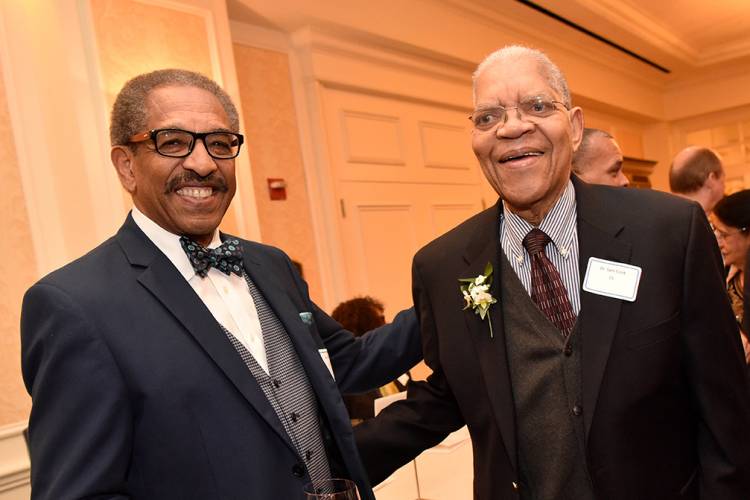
(679, 34)
(691, 38)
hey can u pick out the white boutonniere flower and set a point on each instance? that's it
(476, 293)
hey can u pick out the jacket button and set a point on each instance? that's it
(577, 410)
(515, 485)
(298, 470)
(568, 351)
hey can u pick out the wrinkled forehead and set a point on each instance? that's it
(512, 78)
(177, 105)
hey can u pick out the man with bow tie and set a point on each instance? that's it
(176, 362)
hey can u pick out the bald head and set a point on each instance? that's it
(696, 173)
(598, 160)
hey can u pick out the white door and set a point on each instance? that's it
(404, 173)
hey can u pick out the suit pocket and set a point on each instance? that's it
(659, 332)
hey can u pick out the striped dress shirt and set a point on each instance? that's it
(560, 225)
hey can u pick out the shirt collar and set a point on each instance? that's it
(169, 243)
(559, 224)
(733, 271)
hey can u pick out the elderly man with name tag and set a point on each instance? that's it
(581, 332)
(177, 362)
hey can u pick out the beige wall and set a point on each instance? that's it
(189, 34)
(134, 37)
(273, 144)
(166, 39)
(62, 63)
(17, 272)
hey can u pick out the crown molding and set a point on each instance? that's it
(725, 52)
(547, 36)
(384, 52)
(651, 32)
(259, 37)
(628, 17)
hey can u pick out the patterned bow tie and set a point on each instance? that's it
(226, 258)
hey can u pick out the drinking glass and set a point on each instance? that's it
(331, 489)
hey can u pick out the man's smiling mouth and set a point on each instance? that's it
(196, 192)
(516, 155)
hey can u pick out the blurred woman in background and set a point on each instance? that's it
(360, 315)
(731, 221)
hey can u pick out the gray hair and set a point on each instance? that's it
(129, 111)
(554, 76)
(580, 157)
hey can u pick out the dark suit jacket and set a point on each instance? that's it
(665, 405)
(137, 393)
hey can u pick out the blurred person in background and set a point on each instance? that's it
(598, 160)
(731, 221)
(359, 315)
(696, 173)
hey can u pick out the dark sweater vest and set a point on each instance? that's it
(545, 372)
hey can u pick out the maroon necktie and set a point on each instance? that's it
(547, 289)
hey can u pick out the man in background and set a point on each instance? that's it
(598, 160)
(696, 173)
(177, 362)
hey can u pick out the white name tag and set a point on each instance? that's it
(612, 279)
(327, 361)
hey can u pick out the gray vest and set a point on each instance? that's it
(545, 372)
(287, 387)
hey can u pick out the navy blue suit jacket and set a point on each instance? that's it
(137, 393)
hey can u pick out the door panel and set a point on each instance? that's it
(374, 138)
(404, 173)
(384, 224)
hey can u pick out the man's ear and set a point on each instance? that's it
(576, 126)
(122, 159)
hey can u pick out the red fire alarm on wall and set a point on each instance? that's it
(277, 189)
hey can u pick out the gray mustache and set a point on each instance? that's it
(212, 180)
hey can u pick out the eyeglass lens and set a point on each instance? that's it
(537, 107)
(180, 143)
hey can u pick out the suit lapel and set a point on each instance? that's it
(599, 235)
(279, 299)
(484, 247)
(164, 282)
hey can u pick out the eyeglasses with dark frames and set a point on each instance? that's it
(178, 143)
(533, 107)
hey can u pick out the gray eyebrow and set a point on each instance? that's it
(483, 107)
(178, 127)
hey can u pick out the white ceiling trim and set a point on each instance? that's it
(629, 18)
(725, 52)
(489, 16)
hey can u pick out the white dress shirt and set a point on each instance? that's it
(560, 224)
(226, 297)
